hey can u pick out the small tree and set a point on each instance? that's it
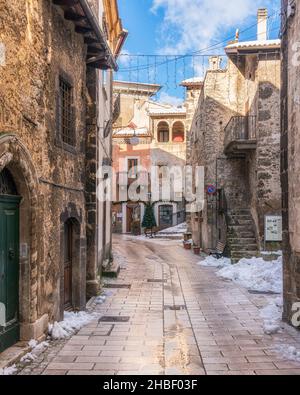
(149, 221)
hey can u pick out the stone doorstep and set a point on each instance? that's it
(14, 354)
(111, 271)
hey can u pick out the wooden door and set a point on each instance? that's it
(9, 271)
(68, 300)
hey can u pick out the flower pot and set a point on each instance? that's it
(197, 250)
(187, 246)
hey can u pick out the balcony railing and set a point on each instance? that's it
(240, 134)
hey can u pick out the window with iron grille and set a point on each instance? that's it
(65, 115)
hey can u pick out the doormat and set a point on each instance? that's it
(114, 319)
(118, 286)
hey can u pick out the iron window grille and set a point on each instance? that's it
(66, 113)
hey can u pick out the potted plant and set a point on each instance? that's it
(197, 250)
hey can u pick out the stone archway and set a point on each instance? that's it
(15, 157)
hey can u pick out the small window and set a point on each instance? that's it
(163, 132)
(65, 116)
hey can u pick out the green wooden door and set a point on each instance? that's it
(9, 270)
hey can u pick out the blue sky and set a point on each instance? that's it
(178, 27)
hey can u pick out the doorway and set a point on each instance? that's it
(68, 265)
(165, 216)
(9, 261)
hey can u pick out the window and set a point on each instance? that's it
(65, 114)
(163, 132)
(178, 132)
(132, 168)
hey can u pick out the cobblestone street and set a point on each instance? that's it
(177, 318)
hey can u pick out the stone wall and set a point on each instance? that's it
(249, 86)
(40, 46)
(290, 149)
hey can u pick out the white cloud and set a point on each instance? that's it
(124, 58)
(200, 23)
(165, 98)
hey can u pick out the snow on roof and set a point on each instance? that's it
(168, 111)
(192, 81)
(254, 44)
(131, 132)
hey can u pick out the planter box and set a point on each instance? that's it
(197, 250)
(187, 246)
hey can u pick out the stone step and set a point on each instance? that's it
(242, 240)
(239, 212)
(239, 247)
(237, 222)
(238, 230)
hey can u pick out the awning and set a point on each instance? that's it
(79, 12)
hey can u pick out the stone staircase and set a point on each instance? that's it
(241, 237)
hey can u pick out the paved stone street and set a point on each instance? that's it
(178, 318)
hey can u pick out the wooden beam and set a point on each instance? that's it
(72, 16)
(83, 30)
(69, 3)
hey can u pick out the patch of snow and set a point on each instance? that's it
(289, 353)
(181, 228)
(72, 323)
(100, 299)
(266, 253)
(272, 316)
(36, 351)
(8, 371)
(256, 274)
(211, 261)
(120, 260)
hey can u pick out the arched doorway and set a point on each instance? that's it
(72, 273)
(68, 264)
(9, 261)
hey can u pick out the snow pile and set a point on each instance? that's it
(72, 323)
(36, 351)
(181, 228)
(266, 253)
(272, 316)
(211, 261)
(100, 299)
(8, 371)
(255, 274)
(289, 353)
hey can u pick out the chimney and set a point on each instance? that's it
(262, 24)
(215, 63)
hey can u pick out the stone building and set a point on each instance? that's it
(235, 136)
(49, 126)
(290, 149)
(146, 134)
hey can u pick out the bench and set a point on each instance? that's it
(219, 251)
(151, 232)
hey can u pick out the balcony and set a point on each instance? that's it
(240, 136)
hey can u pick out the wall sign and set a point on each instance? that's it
(273, 228)
(211, 189)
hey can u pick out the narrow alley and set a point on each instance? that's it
(168, 316)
